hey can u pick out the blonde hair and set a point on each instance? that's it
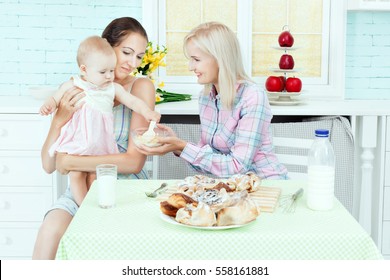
(219, 41)
(93, 44)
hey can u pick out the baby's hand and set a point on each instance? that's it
(48, 107)
(153, 116)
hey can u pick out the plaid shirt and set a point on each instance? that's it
(238, 140)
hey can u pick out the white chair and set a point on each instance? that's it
(292, 141)
(292, 152)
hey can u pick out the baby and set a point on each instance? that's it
(90, 131)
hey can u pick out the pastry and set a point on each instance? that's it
(243, 212)
(202, 201)
(201, 215)
(249, 181)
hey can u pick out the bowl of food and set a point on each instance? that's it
(141, 136)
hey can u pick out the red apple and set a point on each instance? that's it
(286, 39)
(274, 83)
(283, 78)
(293, 84)
(286, 62)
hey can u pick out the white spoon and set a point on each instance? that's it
(150, 132)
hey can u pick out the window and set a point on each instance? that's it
(318, 28)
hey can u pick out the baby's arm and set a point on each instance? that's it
(135, 104)
(52, 102)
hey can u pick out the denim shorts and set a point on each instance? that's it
(65, 202)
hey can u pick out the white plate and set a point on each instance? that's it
(285, 102)
(283, 93)
(171, 220)
(285, 48)
(285, 70)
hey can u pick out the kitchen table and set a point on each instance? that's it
(134, 229)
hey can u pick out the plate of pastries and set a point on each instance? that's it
(207, 203)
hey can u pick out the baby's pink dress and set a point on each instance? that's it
(91, 129)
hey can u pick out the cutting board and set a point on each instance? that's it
(266, 198)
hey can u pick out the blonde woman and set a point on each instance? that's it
(235, 114)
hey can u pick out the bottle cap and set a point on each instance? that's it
(322, 132)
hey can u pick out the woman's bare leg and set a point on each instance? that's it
(51, 231)
(78, 185)
(90, 178)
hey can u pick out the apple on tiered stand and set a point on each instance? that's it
(281, 89)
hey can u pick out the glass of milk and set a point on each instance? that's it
(106, 175)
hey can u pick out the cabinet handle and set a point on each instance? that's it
(3, 168)
(4, 240)
(3, 204)
(3, 132)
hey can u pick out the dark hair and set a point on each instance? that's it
(115, 32)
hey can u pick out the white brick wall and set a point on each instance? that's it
(39, 38)
(368, 55)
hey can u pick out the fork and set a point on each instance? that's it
(156, 191)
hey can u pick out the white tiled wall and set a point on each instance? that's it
(39, 38)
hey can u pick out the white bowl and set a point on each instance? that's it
(42, 92)
(139, 140)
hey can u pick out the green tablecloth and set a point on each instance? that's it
(134, 230)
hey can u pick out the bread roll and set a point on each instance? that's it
(168, 209)
(180, 200)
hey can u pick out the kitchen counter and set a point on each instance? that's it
(317, 107)
(19, 105)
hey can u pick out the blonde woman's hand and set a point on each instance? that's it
(171, 143)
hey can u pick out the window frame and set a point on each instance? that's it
(153, 17)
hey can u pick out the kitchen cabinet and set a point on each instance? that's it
(26, 191)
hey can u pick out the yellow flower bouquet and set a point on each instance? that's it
(153, 59)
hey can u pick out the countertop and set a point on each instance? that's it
(318, 107)
(315, 107)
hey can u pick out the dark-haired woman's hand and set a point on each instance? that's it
(68, 105)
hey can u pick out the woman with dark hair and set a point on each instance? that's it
(129, 40)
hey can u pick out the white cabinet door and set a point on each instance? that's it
(23, 131)
(24, 204)
(17, 241)
(23, 168)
